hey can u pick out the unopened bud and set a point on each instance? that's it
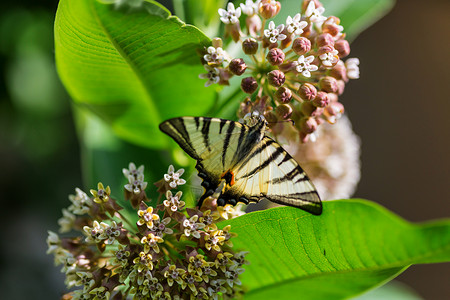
(301, 45)
(324, 39)
(343, 47)
(284, 111)
(307, 92)
(328, 84)
(341, 87)
(250, 46)
(287, 66)
(321, 99)
(269, 8)
(253, 24)
(308, 125)
(276, 78)
(249, 85)
(217, 42)
(270, 117)
(283, 95)
(331, 26)
(237, 66)
(339, 71)
(275, 56)
(332, 97)
(333, 112)
(325, 49)
(287, 41)
(233, 30)
(308, 109)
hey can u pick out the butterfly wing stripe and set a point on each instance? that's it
(240, 145)
(272, 157)
(205, 132)
(266, 142)
(222, 123)
(176, 129)
(226, 141)
(197, 122)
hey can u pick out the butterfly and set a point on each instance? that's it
(239, 163)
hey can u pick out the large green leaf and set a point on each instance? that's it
(355, 245)
(355, 15)
(133, 68)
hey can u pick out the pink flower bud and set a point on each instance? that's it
(237, 66)
(321, 99)
(233, 30)
(250, 46)
(253, 24)
(270, 117)
(339, 71)
(308, 125)
(328, 84)
(217, 42)
(307, 92)
(341, 87)
(275, 56)
(301, 45)
(283, 95)
(308, 109)
(284, 111)
(249, 85)
(343, 47)
(324, 39)
(269, 8)
(276, 78)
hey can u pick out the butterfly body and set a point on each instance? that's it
(239, 163)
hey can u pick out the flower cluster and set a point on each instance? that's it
(166, 252)
(292, 71)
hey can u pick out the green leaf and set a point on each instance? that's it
(355, 15)
(354, 246)
(133, 68)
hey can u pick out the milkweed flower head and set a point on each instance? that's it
(294, 70)
(164, 251)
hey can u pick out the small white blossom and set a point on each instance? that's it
(135, 185)
(274, 34)
(329, 59)
(102, 231)
(53, 242)
(352, 66)
(315, 14)
(67, 221)
(294, 25)
(173, 201)
(174, 178)
(192, 227)
(132, 171)
(81, 203)
(216, 56)
(231, 15)
(213, 75)
(250, 8)
(304, 65)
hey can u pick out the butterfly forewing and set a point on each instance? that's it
(257, 166)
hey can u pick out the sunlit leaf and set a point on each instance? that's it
(355, 245)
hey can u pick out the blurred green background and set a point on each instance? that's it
(399, 108)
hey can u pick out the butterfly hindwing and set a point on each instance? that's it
(253, 165)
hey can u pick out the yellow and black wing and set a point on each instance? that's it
(252, 165)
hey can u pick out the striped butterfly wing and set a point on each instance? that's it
(253, 165)
(212, 142)
(270, 172)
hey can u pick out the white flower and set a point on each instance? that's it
(81, 202)
(330, 58)
(173, 201)
(213, 75)
(173, 178)
(216, 56)
(136, 185)
(304, 65)
(352, 66)
(250, 8)
(133, 171)
(274, 34)
(294, 25)
(67, 221)
(315, 14)
(231, 15)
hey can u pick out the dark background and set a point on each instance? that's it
(400, 108)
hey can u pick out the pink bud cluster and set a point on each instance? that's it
(292, 71)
